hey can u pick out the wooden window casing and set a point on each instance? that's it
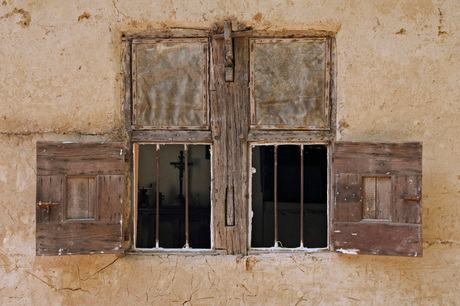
(233, 128)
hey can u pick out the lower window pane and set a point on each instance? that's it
(287, 217)
(173, 196)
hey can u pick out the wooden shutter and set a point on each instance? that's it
(377, 198)
(79, 198)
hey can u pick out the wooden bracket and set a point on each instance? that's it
(228, 51)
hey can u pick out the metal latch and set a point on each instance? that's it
(46, 205)
(412, 198)
(228, 51)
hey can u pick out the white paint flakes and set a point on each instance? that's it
(348, 251)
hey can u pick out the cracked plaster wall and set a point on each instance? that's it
(398, 80)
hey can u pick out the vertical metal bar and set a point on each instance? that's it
(136, 189)
(275, 208)
(301, 195)
(186, 198)
(157, 207)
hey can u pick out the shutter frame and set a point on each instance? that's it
(350, 232)
(57, 164)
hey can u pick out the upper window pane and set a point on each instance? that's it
(170, 81)
(290, 83)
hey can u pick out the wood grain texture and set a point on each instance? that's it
(127, 84)
(172, 136)
(289, 136)
(79, 238)
(348, 197)
(166, 33)
(110, 197)
(50, 189)
(80, 197)
(78, 159)
(378, 238)
(378, 158)
(74, 175)
(229, 125)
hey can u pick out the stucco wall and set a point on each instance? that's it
(398, 80)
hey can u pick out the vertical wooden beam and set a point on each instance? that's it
(229, 122)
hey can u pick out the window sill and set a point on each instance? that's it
(183, 252)
(273, 250)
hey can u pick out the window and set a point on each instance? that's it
(230, 148)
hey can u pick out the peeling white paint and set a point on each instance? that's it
(348, 251)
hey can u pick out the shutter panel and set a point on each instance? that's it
(377, 193)
(84, 183)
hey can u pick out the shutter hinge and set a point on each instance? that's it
(126, 236)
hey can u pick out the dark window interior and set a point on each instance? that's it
(172, 196)
(289, 196)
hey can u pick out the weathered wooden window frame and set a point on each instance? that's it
(256, 134)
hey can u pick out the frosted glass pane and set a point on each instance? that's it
(170, 84)
(290, 83)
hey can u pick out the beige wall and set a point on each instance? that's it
(398, 79)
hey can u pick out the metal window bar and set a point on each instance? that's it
(301, 195)
(157, 208)
(275, 208)
(187, 246)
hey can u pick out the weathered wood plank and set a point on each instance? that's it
(378, 238)
(79, 238)
(172, 136)
(293, 34)
(407, 211)
(369, 197)
(80, 197)
(50, 189)
(348, 197)
(229, 122)
(84, 159)
(378, 158)
(289, 136)
(127, 85)
(110, 197)
(383, 203)
(166, 33)
(218, 128)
